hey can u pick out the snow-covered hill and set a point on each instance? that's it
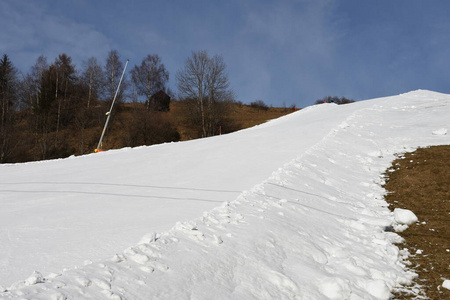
(292, 209)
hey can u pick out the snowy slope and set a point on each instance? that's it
(291, 209)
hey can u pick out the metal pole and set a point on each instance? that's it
(99, 146)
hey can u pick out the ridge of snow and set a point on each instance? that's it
(312, 229)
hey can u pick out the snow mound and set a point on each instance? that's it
(404, 216)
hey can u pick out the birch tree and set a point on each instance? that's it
(113, 72)
(204, 80)
(36, 97)
(65, 78)
(149, 78)
(92, 78)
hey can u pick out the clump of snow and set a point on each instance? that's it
(35, 278)
(400, 227)
(441, 131)
(335, 288)
(404, 216)
(446, 284)
(378, 289)
(148, 238)
(343, 125)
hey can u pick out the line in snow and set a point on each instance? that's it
(112, 194)
(122, 185)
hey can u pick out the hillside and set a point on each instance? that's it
(241, 116)
(131, 125)
(292, 208)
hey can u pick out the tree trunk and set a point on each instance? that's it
(59, 111)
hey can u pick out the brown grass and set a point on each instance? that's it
(241, 116)
(130, 125)
(420, 182)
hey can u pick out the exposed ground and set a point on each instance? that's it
(420, 181)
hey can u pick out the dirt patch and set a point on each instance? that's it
(420, 181)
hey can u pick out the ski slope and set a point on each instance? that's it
(291, 209)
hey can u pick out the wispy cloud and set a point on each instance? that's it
(287, 51)
(294, 40)
(34, 30)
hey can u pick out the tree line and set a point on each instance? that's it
(44, 110)
(335, 99)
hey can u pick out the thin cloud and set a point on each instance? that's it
(33, 31)
(291, 51)
(294, 43)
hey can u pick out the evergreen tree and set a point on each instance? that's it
(65, 75)
(8, 102)
(33, 97)
(51, 91)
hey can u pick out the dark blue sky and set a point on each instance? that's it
(282, 52)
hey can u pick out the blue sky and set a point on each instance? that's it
(282, 52)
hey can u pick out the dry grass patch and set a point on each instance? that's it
(420, 181)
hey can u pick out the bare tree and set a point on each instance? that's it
(93, 78)
(219, 93)
(91, 84)
(35, 97)
(149, 78)
(34, 82)
(113, 72)
(335, 99)
(65, 74)
(191, 82)
(204, 79)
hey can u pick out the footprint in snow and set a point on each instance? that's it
(111, 295)
(140, 258)
(101, 284)
(282, 281)
(147, 269)
(58, 296)
(83, 281)
(217, 239)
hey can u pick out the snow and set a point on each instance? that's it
(291, 209)
(404, 216)
(446, 284)
(441, 131)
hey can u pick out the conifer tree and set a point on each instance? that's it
(8, 102)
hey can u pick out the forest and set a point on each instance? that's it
(57, 110)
